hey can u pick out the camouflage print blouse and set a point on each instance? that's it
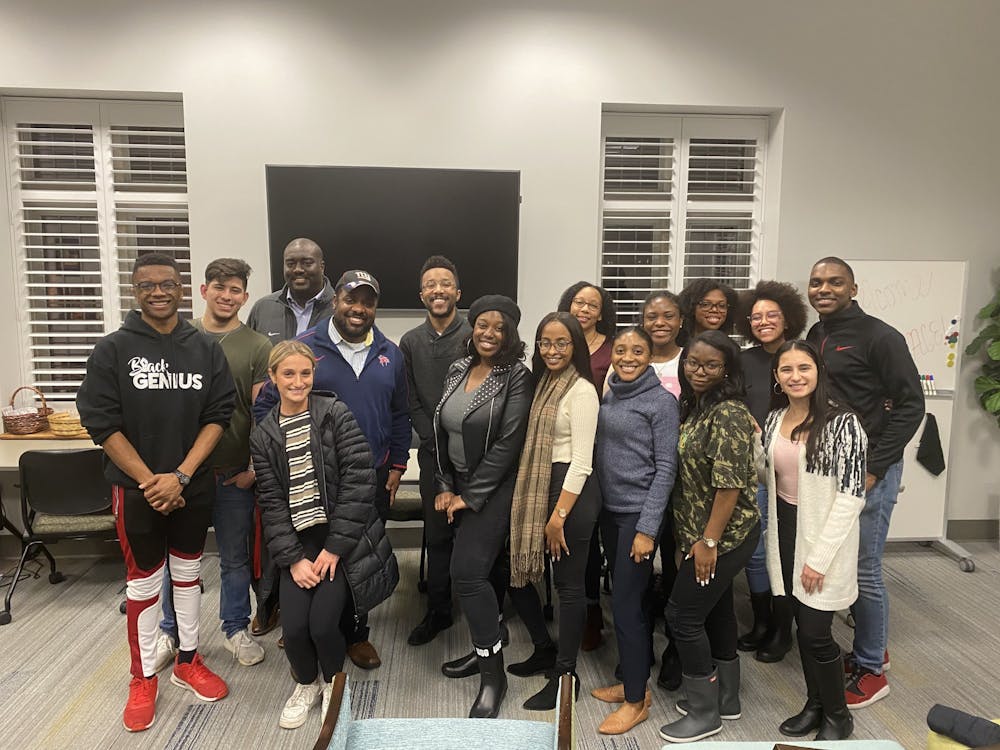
(716, 452)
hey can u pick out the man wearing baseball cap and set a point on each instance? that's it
(367, 372)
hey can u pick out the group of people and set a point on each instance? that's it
(783, 459)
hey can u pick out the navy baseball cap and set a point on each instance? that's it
(353, 279)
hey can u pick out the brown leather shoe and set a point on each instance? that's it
(364, 655)
(258, 629)
(592, 637)
(616, 694)
(624, 719)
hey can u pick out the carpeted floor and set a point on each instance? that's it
(64, 666)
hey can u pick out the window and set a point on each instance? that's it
(681, 199)
(94, 184)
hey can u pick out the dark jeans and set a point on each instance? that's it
(355, 629)
(668, 559)
(815, 627)
(310, 617)
(595, 557)
(478, 562)
(630, 580)
(701, 618)
(438, 536)
(567, 574)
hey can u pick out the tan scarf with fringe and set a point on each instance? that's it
(529, 510)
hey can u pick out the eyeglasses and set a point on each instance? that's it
(560, 345)
(430, 286)
(583, 304)
(719, 306)
(167, 286)
(772, 316)
(710, 368)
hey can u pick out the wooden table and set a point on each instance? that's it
(12, 446)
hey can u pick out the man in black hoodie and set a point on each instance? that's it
(157, 396)
(871, 371)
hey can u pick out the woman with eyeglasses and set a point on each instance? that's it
(769, 314)
(556, 501)
(815, 474)
(636, 463)
(594, 309)
(707, 305)
(717, 527)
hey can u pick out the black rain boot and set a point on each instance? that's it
(702, 719)
(779, 641)
(837, 720)
(492, 683)
(811, 716)
(542, 659)
(463, 666)
(729, 691)
(545, 699)
(761, 605)
(670, 668)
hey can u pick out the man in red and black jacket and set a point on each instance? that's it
(367, 372)
(871, 371)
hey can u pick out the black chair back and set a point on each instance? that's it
(64, 482)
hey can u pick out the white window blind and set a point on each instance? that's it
(681, 199)
(94, 184)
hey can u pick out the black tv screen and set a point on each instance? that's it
(388, 220)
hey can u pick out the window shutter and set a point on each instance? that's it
(681, 199)
(95, 184)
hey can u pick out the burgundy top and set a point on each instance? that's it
(600, 361)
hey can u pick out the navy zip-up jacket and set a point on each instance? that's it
(378, 398)
(871, 371)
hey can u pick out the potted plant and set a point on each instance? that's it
(988, 340)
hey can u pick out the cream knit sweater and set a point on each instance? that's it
(831, 496)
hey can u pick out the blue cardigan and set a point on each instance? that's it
(636, 457)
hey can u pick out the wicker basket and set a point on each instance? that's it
(66, 424)
(28, 422)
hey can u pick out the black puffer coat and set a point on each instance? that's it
(343, 465)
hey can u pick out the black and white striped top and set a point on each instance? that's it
(304, 500)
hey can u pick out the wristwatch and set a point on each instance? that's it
(562, 512)
(710, 543)
(183, 478)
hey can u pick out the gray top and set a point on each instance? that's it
(452, 415)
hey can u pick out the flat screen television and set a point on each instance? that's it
(388, 220)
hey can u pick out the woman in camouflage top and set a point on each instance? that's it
(717, 524)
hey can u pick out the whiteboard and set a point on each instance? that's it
(923, 301)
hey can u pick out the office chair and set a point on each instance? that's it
(64, 495)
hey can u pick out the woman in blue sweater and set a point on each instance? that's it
(636, 462)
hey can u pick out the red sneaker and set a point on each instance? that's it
(850, 664)
(864, 688)
(199, 679)
(140, 711)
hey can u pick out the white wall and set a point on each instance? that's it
(891, 114)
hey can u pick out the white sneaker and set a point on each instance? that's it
(327, 695)
(296, 709)
(244, 648)
(166, 651)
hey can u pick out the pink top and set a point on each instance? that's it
(786, 468)
(667, 373)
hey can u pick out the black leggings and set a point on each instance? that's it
(567, 574)
(311, 618)
(815, 627)
(701, 618)
(438, 537)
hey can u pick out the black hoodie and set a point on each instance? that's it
(158, 390)
(871, 371)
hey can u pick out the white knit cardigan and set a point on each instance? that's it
(831, 496)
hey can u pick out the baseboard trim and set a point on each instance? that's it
(974, 530)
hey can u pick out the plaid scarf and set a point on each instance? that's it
(529, 511)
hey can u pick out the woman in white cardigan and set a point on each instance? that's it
(815, 475)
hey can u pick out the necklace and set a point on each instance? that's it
(591, 339)
(216, 334)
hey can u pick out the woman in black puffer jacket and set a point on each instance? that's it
(316, 487)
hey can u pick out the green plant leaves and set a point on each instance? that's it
(986, 385)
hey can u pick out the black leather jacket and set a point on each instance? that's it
(343, 464)
(492, 430)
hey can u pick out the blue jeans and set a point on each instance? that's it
(871, 610)
(232, 517)
(757, 578)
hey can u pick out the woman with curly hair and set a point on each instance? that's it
(594, 309)
(770, 314)
(707, 305)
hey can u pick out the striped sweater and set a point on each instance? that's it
(831, 496)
